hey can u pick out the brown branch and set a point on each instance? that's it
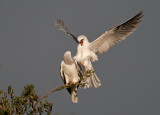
(87, 74)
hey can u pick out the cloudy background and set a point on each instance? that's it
(31, 50)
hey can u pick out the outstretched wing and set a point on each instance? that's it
(60, 26)
(115, 35)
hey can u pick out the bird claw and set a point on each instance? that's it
(67, 84)
(82, 64)
(73, 82)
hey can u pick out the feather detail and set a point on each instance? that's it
(114, 35)
(60, 26)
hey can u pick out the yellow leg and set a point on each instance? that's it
(67, 84)
(82, 64)
(73, 82)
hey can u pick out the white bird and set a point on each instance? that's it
(84, 56)
(70, 73)
(87, 51)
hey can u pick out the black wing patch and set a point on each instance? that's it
(68, 89)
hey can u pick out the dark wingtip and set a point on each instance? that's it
(140, 12)
(139, 15)
(136, 19)
(74, 37)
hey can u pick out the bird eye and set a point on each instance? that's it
(81, 42)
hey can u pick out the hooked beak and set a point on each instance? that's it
(81, 42)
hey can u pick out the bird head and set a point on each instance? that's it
(68, 58)
(82, 39)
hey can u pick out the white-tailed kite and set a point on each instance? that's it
(87, 51)
(70, 74)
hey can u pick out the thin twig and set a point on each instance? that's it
(87, 74)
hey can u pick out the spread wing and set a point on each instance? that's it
(115, 35)
(60, 26)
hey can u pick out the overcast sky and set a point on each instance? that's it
(32, 49)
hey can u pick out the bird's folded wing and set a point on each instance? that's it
(115, 35)
(62, 72)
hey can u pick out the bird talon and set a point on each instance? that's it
(67, 84)
(82, 64)
(73, 82)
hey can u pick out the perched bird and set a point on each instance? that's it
(70, 73)
(93, 79)
(87, 51)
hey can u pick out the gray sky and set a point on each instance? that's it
(32, 49)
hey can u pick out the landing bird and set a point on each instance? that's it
(87, 51)
(70, 73)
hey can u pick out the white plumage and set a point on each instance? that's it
(70, 74)
(85, 56)
(86, 51)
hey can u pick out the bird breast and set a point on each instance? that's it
(87, 54)
(71, 73)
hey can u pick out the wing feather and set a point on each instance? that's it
(60, 26)
(63, 76)
(62, 72)
(115, 35)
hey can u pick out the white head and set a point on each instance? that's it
(68, 58)
(82, 39)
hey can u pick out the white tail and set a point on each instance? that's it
(93, 80)
(74, 94)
